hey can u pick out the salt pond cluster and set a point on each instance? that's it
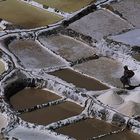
(60, 70)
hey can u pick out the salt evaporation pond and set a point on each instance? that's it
(52, 114)
(105, 69)
(45, 115)
(79, 80)
(66, 5)
(67, 47)
(99, 24)
(131, 37)
(32, 97)
(130, 11)
(33, 55)
(89, 128)
(23, 15)
(86, 129)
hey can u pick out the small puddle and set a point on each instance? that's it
(30, 97)
(86, 129)
(79, 80)
(2, 67)
(52, 114)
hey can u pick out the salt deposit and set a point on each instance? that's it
(129, 108)
(28, 134)
(3, 121)
(135, 97)
(131, 37)
(110, 98)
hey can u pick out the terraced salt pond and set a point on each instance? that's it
(48, 115)
(89, 128)
(66, 5)
(101, 23)
(67, 47)
(104, 69)
(45, 115)
(130, 10)
(24, 15)
(79, 80)
(32, 97)
(32, 55)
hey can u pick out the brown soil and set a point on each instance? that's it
(79, 80)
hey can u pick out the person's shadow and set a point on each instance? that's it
(132, 87)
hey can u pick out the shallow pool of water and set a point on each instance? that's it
(30, 97)
(24, 15)
(89, 128)
(53, 113)
(79, 80)
(66, 5)
(86, 129)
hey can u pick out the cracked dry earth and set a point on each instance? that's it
(60, 69)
